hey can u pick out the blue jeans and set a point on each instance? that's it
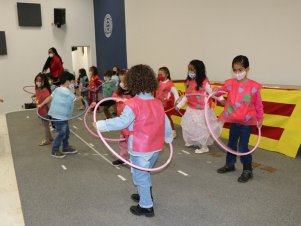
(142, 179)
(62, 128)
(239, 133)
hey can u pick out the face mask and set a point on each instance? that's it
(191, 74)
(241, 75)
(106, 78)
(122, 85)
(50, 55)
(71, 86)
(161, 78)
(38, 84)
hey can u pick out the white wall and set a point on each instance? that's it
(27, 47)
(173, 32)
(80, 59)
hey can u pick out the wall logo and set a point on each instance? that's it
(108, 25)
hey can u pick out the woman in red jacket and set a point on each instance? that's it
(54, 63)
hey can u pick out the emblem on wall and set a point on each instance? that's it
(108, 25)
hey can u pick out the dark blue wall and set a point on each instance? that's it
(110, 51)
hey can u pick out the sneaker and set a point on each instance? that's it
(245, 176)
(226, 169)
(45, 142)
(174, 134)
(58, 155)
(202, 150)
(118, 162)
(135, 197)
(69, 150)
(188, 145)
(137, 210)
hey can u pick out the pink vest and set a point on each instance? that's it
(163, 90)
(195, 101)
(149, 124)
(240, 104)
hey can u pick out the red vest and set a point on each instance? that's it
(149, 124)
(240, 105)
(195, 101)
(163, 90)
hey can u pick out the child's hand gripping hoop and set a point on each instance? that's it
(217, 139)
(59, 120)
(26, 87)
(95, 134)
(117, 155)
(96, 89)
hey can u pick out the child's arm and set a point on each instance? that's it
(175, 93)
(168, 131)
(259, 109)
(209, 91)
(182, 102)
(126, 118)
(46, 101)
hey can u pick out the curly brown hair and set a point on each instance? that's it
(141, 79)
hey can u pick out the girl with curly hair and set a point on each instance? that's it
(148, 127)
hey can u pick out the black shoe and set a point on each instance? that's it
(245, 176)
(118, 162)
(137, 210)
(135, 197)
(69, 150)
(226, 169)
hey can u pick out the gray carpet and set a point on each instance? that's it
(89, 192)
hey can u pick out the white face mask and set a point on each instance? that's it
(106, 78)
(71, 86)
(38, 84)
(241, 75)
(50, 55)
(191, 74)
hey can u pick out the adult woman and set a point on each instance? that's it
(54, 63)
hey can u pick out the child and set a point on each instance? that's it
(163, 93)
(123, 93)
(108, 87)
(144, 117)
(94, 84)
(83, 83)
(42, 91)
(194, 128)
(243, 109)
(61, 108)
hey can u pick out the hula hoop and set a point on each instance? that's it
(117, 155)
(91, 90)
(25, 87)
(218, 140)
(95, 134)
(59, 120)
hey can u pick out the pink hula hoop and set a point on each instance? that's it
(95, 134)
(218, 140)
(117, 155)
(24, 89)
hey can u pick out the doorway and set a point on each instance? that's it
(81, 58)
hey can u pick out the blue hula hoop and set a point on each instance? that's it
(60, 120)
